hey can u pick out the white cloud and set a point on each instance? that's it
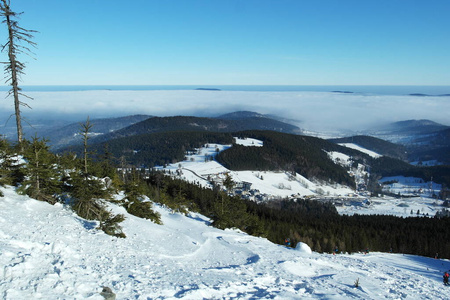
(316, 110)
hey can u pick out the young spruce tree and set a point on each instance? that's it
(11, 171)
(89, 192)
(135, 202)
(42, 178)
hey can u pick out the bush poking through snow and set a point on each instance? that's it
(143, 210)
(110, 224)
(108, 294)
(357, 283)
(134, 200)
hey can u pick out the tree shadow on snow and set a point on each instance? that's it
(89, 225)
(198, 218)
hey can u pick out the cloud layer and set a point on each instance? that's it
(315, 110)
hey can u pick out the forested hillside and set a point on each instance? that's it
(435, 146)
(311, 222)
(285, 152)
(60, 137)
(187, 123)
(380, 146)
(157, 149)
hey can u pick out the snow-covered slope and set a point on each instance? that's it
(195, 168)
(361, 149)
(47, 252)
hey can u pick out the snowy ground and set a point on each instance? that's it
(275, 184)
(47, 252)
(410, 186)
(279, 184)
(401, 207)
(361, 149)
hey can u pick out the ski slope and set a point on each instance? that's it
(47, 252)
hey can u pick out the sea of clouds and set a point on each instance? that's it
(312, 110)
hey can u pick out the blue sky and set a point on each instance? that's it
(248, 42)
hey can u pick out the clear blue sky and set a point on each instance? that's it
(218, 42)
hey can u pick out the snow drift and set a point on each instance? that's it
(47, 252)
(303, 248)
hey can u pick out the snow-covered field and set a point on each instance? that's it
(410, 186)
(361, 149)
(400, 207)
(280, 184)
(273, 184)
(47, 252)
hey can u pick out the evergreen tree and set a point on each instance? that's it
(11, 171)
(134, 200)
(88, 193)
(42, 179)
(6, 163)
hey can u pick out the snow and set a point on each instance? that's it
(361, 149)
(303, 248)
(249, 142)
(340, 158)
(273, 184)
(400, 207)
(410, 186)
(47, 252)
(281, 184)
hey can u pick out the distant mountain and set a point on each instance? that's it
(189, 123)
(240, 115)
(68, 135)
(414, 127)
(430, 147)
(375, 144)
(31, 127)
(424, 140)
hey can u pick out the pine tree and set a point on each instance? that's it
(11, 171)
(88, 193)
(42, 179)
(5, 163)
(134, 200)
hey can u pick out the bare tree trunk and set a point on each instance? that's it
(15, 68)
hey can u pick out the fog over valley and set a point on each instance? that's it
(309, 110)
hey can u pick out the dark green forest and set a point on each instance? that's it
(286, 152)
(156, 149)
(312, 222)
(52, 178)
(387, 166)
(190, 124)
(375, 144)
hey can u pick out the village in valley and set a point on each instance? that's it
(401, 196)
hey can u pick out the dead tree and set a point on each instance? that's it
(17, 36)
